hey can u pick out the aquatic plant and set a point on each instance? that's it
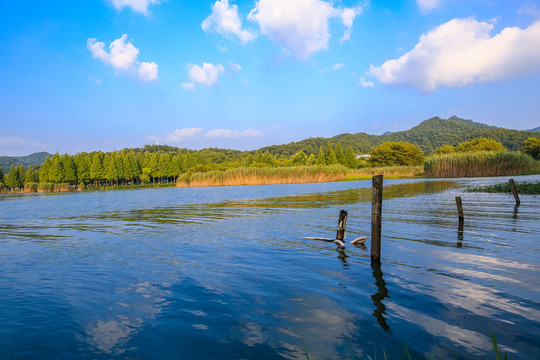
(522, 188)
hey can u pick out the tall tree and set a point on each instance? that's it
(339, 154)
(531, 146)
(11, 179)
(321, 159)
(83, 163)
(70, 170)
(330, 155)
(44, 170)
(21, 175)
(350, 158)
(1, 174)
(56, 171)
(31, 175)
(97, 171)
(396, 153)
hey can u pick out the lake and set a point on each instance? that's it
(225, 273)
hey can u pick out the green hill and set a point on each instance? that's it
(536, 129)
(429, 135)
(29, 160)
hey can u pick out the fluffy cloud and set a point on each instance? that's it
(122, 56)
(462, 51)
(207, 75)
(225, 21)
(148, 71)
(300, 26)
(428, 5)
(140, 6)
(364, 83)
(180, 135)
(227, 133)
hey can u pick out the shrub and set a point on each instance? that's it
(396, 153)
(531, 146)
(480, 144)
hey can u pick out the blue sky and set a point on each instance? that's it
(108, 74)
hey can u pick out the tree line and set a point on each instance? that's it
(157, 164)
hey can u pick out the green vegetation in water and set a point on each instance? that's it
(522, 188)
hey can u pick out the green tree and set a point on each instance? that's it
(145, 175)
(330, 154)
(21, 175)
(445, 149)
(56, 171)
(31, 175)
(44, 170)
(97, 171)
(321, 159)
(70, 170)
(311, 159)
(396, 153)
(480, 144)
(1, 174)
(11, 179)
(531, 146)
(339, 154)
(83, 163)
(300, 158)
(350, 158)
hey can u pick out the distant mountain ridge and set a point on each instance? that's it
(34, 159)
(536, 129)
(429, 135)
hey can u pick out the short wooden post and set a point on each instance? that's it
(514, 191)
(459, 208)
(376, 217)
(341, 225)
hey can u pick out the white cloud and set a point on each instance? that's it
(188, 86)
(428, 5)
(227, 133)
(179, 135)
(207, 75)
(300, 26)
(347, 16)
(235, 68)
(225, 21)
(122, 56)
(364, 83)
(148, 71)
(462, 51)
(337, 66)
(140, 6)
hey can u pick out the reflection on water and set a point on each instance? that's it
(225, 273)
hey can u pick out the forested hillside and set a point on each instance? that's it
(429, 135)
(35, 159)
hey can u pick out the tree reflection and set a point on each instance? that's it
(379, 296)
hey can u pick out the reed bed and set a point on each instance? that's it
(389, 172)
(53, 187)
(264, 176)
(478, 164)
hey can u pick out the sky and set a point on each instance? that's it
(80, 76)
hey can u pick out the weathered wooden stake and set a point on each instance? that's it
(341, 225)
(376, 217)
(514, 190)
(459, 208)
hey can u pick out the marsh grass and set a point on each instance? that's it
(389, 172)
(522, 188)
(481, 163)
(264, 176)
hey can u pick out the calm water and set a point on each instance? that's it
(224, 273)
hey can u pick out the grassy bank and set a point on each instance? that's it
(264, 176)
(522, 188)
(482, 163)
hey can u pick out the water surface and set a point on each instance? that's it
(224, 273)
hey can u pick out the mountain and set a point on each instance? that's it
(429, 135)
(34, 159)
(536, 129)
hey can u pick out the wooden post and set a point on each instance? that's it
(514, 190)
(341, 225)
(376, 217)
(459, 208)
